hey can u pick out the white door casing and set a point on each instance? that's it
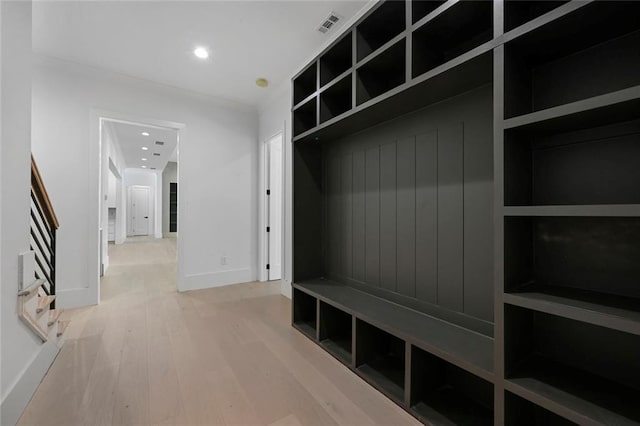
(274, 174)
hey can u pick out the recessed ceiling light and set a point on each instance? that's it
(145, 133)
(144, 167)
(144, 159)
(144, 148)
(262, 82)
(201, 52)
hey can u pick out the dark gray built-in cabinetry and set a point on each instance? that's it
(173, 207)
(466, 212)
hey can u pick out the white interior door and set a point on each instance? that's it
(274, 202)
(139, 210)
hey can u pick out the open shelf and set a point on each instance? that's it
(336, 60)
(336, 99)
(305, 84)
(305, 117)
(591, 254)
(460, 28)
(519, 12)
(520, 412)
(421, 8)
(381, 26)
(336, 331)
(304, 313)
(587, 166)
(588, 52)
(572, 365)
(465, 348)
(442, 393)
(380, 359)
(381, 74)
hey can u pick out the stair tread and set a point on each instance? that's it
(43, 302)
(62, 326)
(54, 314)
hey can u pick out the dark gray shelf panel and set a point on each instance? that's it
(520, 412)
(304, 315)
(595, 210)
(618, 313)
(341, 349)
(615, 107)
(336, 60)
(381, 74)
(381, 25)
(519, 12)
(463, 74)
(458, 29)
(580, 55)
(466, 349)
(335, 332)
(336, 100)
(422, 8)
(305, 84)
(385, 376)
(307, 328)
(444, 394)
(305, 117)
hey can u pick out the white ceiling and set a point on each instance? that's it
(131, 140)
(154, 40)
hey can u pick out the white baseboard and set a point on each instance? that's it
(19, 396)
(216, 279)
(285, 288)
(75, 298)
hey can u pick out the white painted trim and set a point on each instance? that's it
(217, 279)
(20, 394)
(76, 298)
(285, 289)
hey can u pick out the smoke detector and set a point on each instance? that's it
(329, 23)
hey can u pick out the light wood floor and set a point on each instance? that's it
(150, 355)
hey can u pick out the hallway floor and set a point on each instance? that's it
(148, 355)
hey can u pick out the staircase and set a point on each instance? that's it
(37, 292)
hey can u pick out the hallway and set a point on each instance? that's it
(150, 355)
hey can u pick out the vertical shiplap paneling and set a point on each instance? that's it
(450, 217)
(334, 218)
(388, 206)
(372, 219)
(427, 217)
(478, 222)
(359, 216)
(347, 215)
(406, 217)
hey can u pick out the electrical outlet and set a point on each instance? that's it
(223, 260)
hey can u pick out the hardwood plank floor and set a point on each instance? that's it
(148, 355)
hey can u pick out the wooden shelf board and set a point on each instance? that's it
(582, 306)
(594, 210)
(337, 349)
(383, 380)
(613, 107)
(447, 406)
(574, 394)
(306, 328)
(466, 349)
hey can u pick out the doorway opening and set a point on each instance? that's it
(274, 203)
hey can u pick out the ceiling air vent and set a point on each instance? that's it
(159, 143)
(156, 154)
(329, 23)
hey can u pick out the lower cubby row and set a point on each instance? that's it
(432, 389)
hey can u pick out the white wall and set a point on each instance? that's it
(152, 179)
(274, 115)
(23, 358)
(219, 162)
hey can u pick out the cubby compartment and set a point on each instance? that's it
(591, 259)
(442, 393)
(519, 12)
(305, 84)
(586, 53)
(305, 117)
(336, 60)
(588, 370)
(520, 412)
(381, 26)
(421, 8)
(336, 100)
(590, 165)
(380, 359)
(304, 313)
(336, 331)
(381, 74)
(460, 28)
